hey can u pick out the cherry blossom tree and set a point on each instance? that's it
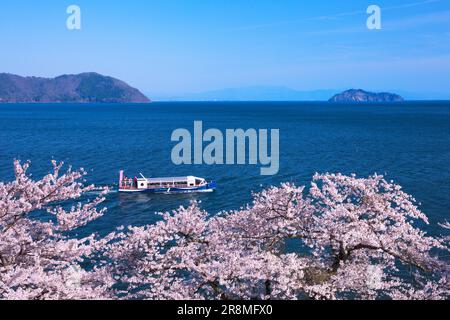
(342, 237)
(349, 238)
(38, 260)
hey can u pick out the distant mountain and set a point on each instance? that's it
(254, 93)
(358, 95)
(79, 88)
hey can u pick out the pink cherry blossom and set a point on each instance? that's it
(37, 260)
(354, 239)
(341, 237)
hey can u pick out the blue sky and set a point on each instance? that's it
(180, 46)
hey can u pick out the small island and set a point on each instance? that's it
(361, 96)
(87, 87)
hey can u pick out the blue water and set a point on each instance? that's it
(408, 142)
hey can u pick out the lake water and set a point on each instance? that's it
(409, 142)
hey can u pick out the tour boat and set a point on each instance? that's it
(186, 184)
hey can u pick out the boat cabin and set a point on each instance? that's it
(165, 185)
(173, 182)
(157, 183)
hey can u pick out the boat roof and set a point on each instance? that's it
(170, 179)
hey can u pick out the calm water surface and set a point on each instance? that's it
(408, 142)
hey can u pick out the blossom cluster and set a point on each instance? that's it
(342, 237)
